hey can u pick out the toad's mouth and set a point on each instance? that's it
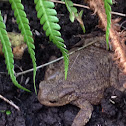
(53, 103)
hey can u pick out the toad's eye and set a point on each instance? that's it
(53, 101)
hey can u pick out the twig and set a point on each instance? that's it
(117, 13)
(4, 73)
(83, 6)
(5, 19)
(120, 25)
(10, 102)
(123, 23)
(74, 61)
(30, 70)
(78, 5)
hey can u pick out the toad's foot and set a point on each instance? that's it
(84, 114)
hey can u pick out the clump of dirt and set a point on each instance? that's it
(32, 112)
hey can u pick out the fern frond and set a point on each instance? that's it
(8, 53)
(72, 10)
(73, 14)
(48, 19)
(107, 6)
(23, 25)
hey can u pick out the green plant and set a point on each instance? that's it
(8, 53)
(107, 6)
(23, 25)
(8, 112)
(117, 40)
(73, 13)
(48, 19)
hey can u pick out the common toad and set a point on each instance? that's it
(91, 71)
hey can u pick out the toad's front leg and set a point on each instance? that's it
(84, 114)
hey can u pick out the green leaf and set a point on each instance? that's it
(23, 25)
(48, 19)
(71, 18)
(73, 13)
(8, 112)
(81, 13)
(72, 10)
(6, 48)
(107, 6)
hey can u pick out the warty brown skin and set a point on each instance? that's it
(91, 71)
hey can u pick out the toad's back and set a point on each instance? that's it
(90, 72)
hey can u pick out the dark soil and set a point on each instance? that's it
(111, 112)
